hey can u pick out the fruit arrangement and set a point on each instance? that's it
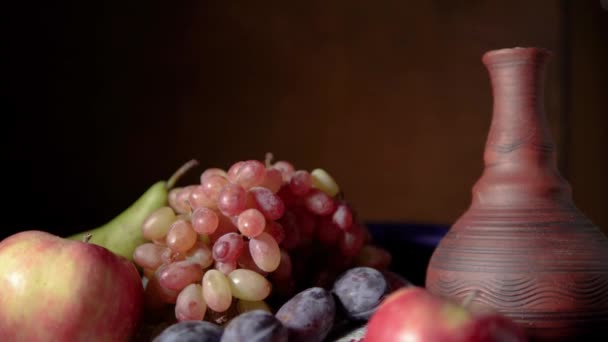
(251, 236)
(261, 251)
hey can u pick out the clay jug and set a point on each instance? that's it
(522, 244)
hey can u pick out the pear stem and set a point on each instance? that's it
(180, 172)
(87, 237)
(469, 298)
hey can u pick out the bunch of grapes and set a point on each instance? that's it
(250, 238)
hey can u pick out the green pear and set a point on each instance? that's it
(123, 233)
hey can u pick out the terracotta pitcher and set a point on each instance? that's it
(523, 244)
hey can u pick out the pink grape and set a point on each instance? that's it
(343, 217)
(148, 255)
(327, 232)
(286, 168)
(265, 252)
(212, 171)
(270, 204)
(319, 203)
(251, 223)
(228, 247)
(200, 254)
(155, 295)
(250, 174)
(181, 237)
(301, 182)
(157, 224)
(273, 180)
(275, 229)
(181, 202)
(234, 170)
(213, 185)
(292, 231)
(246, 261)
(248, 285)
(179, 274)
(232, 200)
(225, 267)
(216, 291)
(204, 221)
(198, 198)
(190, 304)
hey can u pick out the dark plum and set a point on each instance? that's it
(359, 291)
(191, 331)
(255, 326)
(309, 315)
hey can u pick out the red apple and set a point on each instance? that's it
(54, 289)
(413, 314)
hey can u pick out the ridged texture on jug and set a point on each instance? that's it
(522, 243)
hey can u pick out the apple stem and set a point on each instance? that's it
(180, 172)
(87, 237)
(469, 298)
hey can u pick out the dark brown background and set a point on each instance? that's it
(389, 96)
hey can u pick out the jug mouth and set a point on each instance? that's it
(515, 55)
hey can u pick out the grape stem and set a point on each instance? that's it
(180, 172)
(268, 159)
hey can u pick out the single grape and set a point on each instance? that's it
(225, 267)
(343, 217)
(251, 223)
(273, 179)
(248, 285)
(267, 202)
(327, 232)
(292, 231)
(255, 326)
(200, 254)
(300, 182)
(199, 199)
(232, 200)
(351, 242)
(374, 257)
(181, 236)
(243, 306)
(275, 230)
(228, 247)
(191, 331)
(212, 171)
(157, 224)
(204, 220)
(286, 168)
(216, 290)
(213, 185)
(190, 305)
(250, 174)
(284, 270)
(309, 315)
(233, 170)
(182, 200)
(148, 255)
(360, 291)
(324, 182)
(265, 252)
(157, 296)
(177, 275)
(319, 203)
